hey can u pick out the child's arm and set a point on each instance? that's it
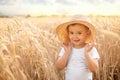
(92, 63)
(62, 61)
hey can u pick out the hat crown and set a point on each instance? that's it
(81, 18)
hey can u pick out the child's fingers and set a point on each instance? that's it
(89, 46)
(92, 44)
(63, 44)
(66, 45)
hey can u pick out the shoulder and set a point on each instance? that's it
(94, 49)
(61, 51)
(94, 53)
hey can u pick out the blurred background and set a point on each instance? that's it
(59, 7)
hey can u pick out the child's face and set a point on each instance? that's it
(78, 34)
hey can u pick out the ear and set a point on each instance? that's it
(88, 32)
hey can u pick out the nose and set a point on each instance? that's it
(75, 35)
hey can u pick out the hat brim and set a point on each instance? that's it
(62, 33)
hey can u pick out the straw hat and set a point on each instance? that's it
(62, 33)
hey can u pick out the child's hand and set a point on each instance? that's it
(67, 47)
(89, 47)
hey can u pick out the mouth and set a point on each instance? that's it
(76, 40)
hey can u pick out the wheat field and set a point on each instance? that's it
(29, 48)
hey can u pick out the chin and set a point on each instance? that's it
(76, 44)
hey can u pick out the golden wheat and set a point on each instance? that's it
(29, 48)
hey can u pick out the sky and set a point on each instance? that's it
(59, 7)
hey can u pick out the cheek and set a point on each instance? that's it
(82, 37)
(70, 37)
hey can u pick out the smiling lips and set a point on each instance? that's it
(76, 40)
